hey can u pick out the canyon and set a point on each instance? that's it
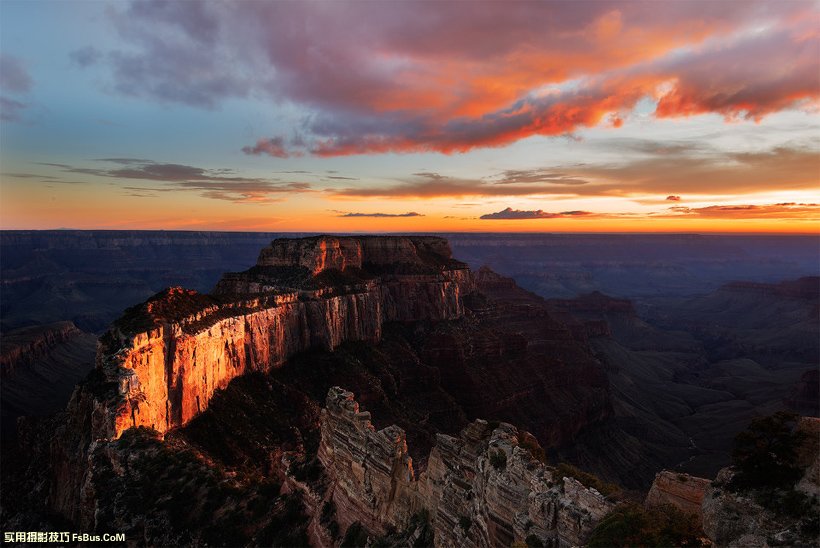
(456, 365)
(162, 362)
(90, 277)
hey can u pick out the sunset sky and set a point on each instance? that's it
(411, 116)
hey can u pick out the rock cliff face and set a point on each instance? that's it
(482, 488)
(683, 491)
(168, 355)
(322, 253)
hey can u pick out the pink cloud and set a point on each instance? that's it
(274, 146)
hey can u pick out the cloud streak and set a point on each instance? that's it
(218, 184)
(382, 215)
(11, 110)
(14, 78)
(85, 57)
(510, 214)
(668, 171)
(434, 185)
(785, 210)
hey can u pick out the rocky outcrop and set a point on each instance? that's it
(315, 254)
(374, 478)
(738, 518)
(682, 491)
(320, 253)
(169, 355)
(482, 488)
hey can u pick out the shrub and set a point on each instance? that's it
(534, 542)
(527, 441)
(465, 523)
(288, 525)
(588, 480)
(328, 512)
(633, 525)
(308, 471)
(795, 504)
(765, 455)
(355, 536)
(420, 524)
(498, 459)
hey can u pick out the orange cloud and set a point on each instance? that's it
(718, 79)
(517, 214)
(786, 210)
(390, 77)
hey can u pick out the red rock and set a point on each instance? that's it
(169, 355)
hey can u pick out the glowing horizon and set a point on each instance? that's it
(361, 117)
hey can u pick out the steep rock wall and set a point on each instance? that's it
(168, 356)
(481, 488)
(682, 491)
(321, 253)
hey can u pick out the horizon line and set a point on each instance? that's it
(468, 232)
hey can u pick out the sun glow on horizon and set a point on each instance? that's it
(542, 125)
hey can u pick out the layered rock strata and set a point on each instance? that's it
(683, 491)
(168, 355)
(23, 348)
(482, 488)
